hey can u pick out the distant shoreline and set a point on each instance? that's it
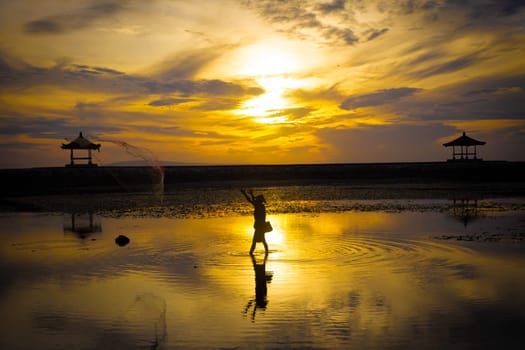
(101, 179)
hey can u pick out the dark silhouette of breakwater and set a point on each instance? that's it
(66, 180)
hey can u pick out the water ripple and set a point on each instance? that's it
(361, 251)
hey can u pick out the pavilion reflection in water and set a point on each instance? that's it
(82, 224)
(465, 210)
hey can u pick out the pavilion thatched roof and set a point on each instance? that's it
(81, 143)
(464, 140)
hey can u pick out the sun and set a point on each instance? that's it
(272, 65)
(276, 64)
(267, 59)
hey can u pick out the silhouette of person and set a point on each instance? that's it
(259, 215)
(261, 287)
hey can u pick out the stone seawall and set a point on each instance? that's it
(38, 181)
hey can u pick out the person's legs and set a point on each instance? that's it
(265, 245)
(252, 248)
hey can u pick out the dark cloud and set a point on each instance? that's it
(409, 6)
(448, 67)
(430, 5)
(478, 14)
(198, 87)
(217, 104)
(219, 87)
(296, 113)
(487, 92)
(493, 8)
(330, 94)
(478, 99)
(345, 34)
(378, 98)
(96, 70)
(169, 102)
(43, 26)
(457, 2)
(277, 11)
(12, 125)
(292, 115)
(74, 19)
(376, 33)
(85, 105)
(102, 79)
(41, 127)
(337, 21)
(425, 58)
(335, 5)
(294, 16)
(167, 130)
(462, 14)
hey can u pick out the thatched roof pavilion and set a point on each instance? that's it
(81, 143)
(463, 143)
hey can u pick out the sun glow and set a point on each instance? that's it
(267, 59)
(266, 108)
(265, 105)
(272, 65)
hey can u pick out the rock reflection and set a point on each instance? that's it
(262, 278)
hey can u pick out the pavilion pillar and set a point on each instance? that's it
(72, 159)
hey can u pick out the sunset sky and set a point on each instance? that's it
(236, 82)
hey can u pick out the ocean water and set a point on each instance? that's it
(348, 273)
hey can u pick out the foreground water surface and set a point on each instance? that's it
(373, 279)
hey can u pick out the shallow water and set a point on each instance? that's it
(353, 279)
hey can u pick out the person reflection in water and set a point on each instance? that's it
(259, 215)
(262, 278)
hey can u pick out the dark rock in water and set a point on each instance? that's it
(121, 240)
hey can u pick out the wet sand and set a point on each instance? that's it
(204, 201)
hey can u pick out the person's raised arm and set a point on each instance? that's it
(247, 197)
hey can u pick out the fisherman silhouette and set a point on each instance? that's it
(259, 215)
